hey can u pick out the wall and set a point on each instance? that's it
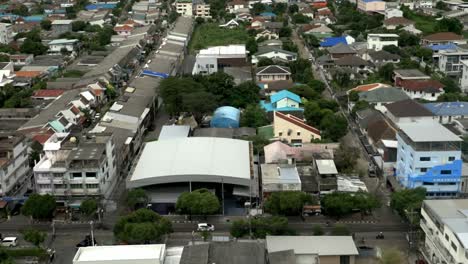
(286, 102)
(271, 78)
(334, 259)
(376, 44)
(422, 95)
(282, 126)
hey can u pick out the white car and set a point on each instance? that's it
(9, 242)
(205, 227)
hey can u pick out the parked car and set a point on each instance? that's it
(205, 227)
(9, 242)
(86, 242)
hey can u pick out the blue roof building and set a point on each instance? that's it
(100, 6)
(282, 101)
(332, 41)
(446, 112)
(268, 14)
(36, 18)
(438, 47)
(226, 117)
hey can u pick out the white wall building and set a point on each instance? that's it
(135, 254)
(444, 225)
(451, 61)
(75, 168)
(212, 59)
(6, 33)
(463, 81)
(14, 162)
(378, 41)
(57, 45)
(202, 10)
(424, 4)
(393, 12)
(7, 73)
(184, 7)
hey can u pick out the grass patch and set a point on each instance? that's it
(73, 74)
(210, 34)
(422, 22)
(26, 252)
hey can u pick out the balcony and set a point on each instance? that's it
(440, 250)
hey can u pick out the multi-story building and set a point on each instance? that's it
(450, 61)
(201, 9)
(14, 163)
(213, 59)
(444, 225)
(429, 156)
(371, 5)
(378, 41)
(6, 33)
(74, 168)
(463, 81)
(422, 4)
(184, 7)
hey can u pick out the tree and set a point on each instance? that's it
(450, 85)
(254, 116)
(89, 207)
(20, 10)
(142, 227)
(301, 70)
(345, 157)
(199, 103)
(449, 25)
(258, 142)
(261, 227)
(34, 155)
(408, 199)
(263, 61)
(305, 91)
(244, 94)
(199, 20)
(198, 202)
(337, 204)
(312, 113)
(34, 236)
(287, 202)
(340, 230)
(30, 46)
(360, 105)
(280, 8)
(386, 71)
(311, 40)
(391, 256)
(78, 25)
(46, 24)
(342, 78)
(285, 32)
(293, 9)
(172, 90)
(406, 39)
(442, 6)
(136, 197)
(333, 127)
(258, 8)
(353, 96)
(317, 85)
(300, 19)
(392, 49)
(317, 230)
(39, 206)
(251, 45)
(5, 258)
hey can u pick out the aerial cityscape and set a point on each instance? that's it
(234, 132)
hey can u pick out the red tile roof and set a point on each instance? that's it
(123, 28)
(298, 122)
(28, 74)
(47, 93)
(430, 86)
(443, 36)
(369, 87)
(41, 138)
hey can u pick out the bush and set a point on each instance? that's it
(34, 236)
(317, 230)
(39, 206)
(261, 227)
(287, 202)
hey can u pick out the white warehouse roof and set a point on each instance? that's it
(428, 132)
(137, 254)
(320, 245)
(203, 159)
(225, 50)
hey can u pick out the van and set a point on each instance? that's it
(9, 242)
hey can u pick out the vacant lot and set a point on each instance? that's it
(211, 34)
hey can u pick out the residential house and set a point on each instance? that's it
(332, 41)
(341, 50)
(325, 15)
(273, 26)
(21, 59)
(368, 87)
(202, 9)
(282, 101)
(395, 22)
(371, 5)
(275, 43)
(276, 86)
(279, 177)
(7, 73)
(407, 111)
(442, 38)
(317, 4)
(326, 62)
(393, 12)
(429, 156)
(308, 12)
(214, 59)
(293, 130)
(230, 24)
(273, 73)
(57, 46)
(378, 98)
(447, 112)
(428, 90)
(355, 63)
(246, 16)
(382, 57)
(412, 29)
(77, 168)
(46, 94)
(266, 35)
(123, 30)
(463, 80)
(257, 22)
(320, 31)
(268, 15)
(6, 33)
(443, 225)
(378, 41)
(15, 173)
(61, 26)
(233, 6)
(184, 7)
(401, 75)
(275, 54)
(423, 4)
(450, 61)
(311, 249)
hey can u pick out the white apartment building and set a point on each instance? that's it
(444, 225)
(450, 61)
(6, 33)
(184, 7)
(14, 163)
(201, 10)
(212, 59)
(463, 81)
(422, 4)
(378, 41)
(74, 168)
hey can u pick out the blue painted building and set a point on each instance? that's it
(429, 156)
(226, 117)
(283, 101)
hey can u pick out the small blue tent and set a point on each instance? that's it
(226, 117)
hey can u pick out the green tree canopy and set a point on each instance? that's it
(135, 198)
(89, 207)
(39, 206)
(30, 46)
(254, 116)
(333, 126)
(345, 157)
(198, 202)
(46, 24)
(142, 226)
(78, 25)
(34, 236)
(20, 10)
(391, 256)
(408, 199)
(285, 32)
(305, 91)
(293, 9)
(287, 202)
(449, 25)
(263, 61)
(386, 72)
(244, 94)
(258, 8)
(317, 85)
(340, 204)
(261, 227)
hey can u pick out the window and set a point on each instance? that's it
(44, 186)
(59, 186)
(57, 175)
(451, 158)
(428, 183)
(298, 133)
(344, 260)
(447, 183)
(445, 172)
(76, 186)
(280, 134)
(425, 159)
(92, 186)
(454, 246)
(76, 175)
(446, 237)
(91, 174)
(423, 169)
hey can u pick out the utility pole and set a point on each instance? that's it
(92, 233)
